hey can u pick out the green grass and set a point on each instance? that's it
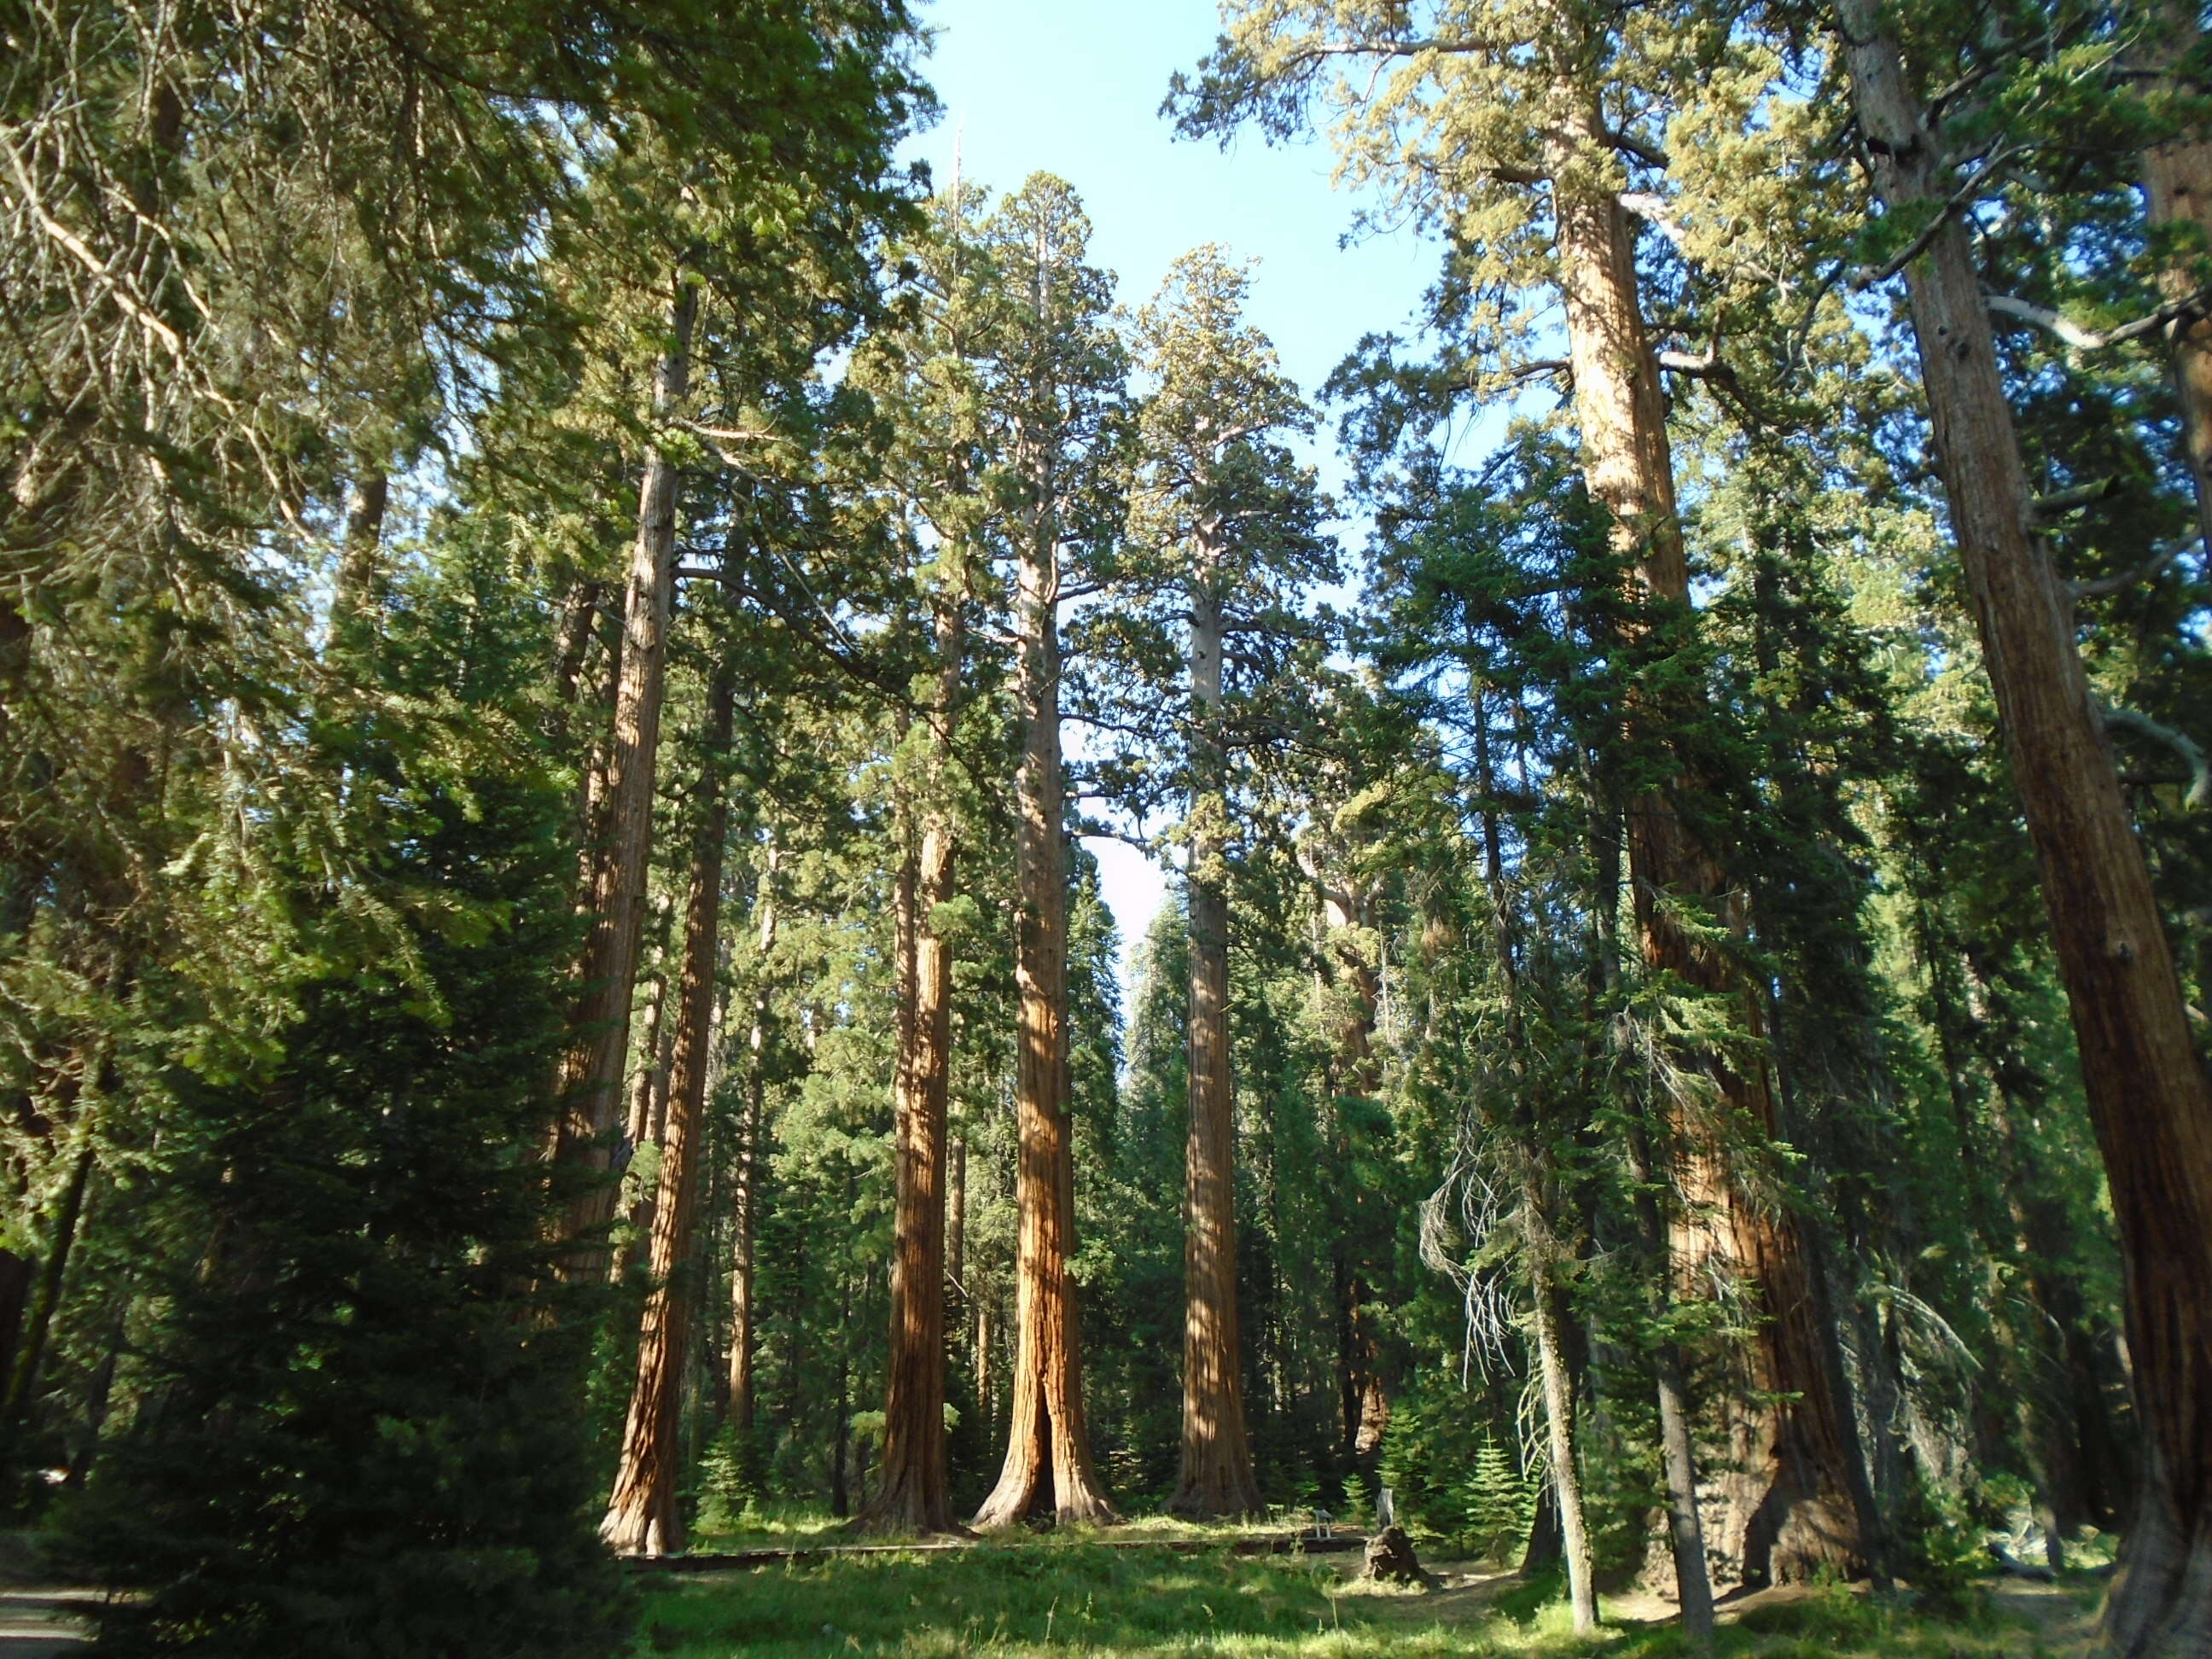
(776, 1525)
(1065, 1598)
(770, 1525)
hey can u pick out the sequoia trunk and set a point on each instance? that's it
(643, 1517)
(912, 1496)
(1216, 1477)
(1049, 1466)
(1783, 1510)
(2147, 1092)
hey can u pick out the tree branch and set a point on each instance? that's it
(2141, 572)
(2096, 339)
(1959, 198)
(1628, 144)
(2200, 770)
(2065, 500)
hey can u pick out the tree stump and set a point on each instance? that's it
(1390, 1558)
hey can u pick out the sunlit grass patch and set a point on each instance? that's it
(1071, 1598)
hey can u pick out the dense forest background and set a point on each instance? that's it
(564, 623)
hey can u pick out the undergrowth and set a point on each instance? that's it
(1075, 1597)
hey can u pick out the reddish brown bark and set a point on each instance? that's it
(642, 1516)
(1215, 1477)
(913, 1497)
(1780, 1506)
(1048, 1468)
(589, 1083)
(956, 1225)
(2149, 1096)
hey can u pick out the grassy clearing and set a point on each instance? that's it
(1065, 1598)
(774, 1525)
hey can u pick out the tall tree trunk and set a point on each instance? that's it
(2178, 186)
(45, 1297)
(590, 1079)
(1540, 1244)
(1363, 1403)
(913, 1497)
(648, 1109)
(986, 1404)
(1048, 1465)
(643, 1517)
(745, 1193)
(1216, 1477)
(956, 1225)
(1783, 1510)
(2147, 1092)
(1678, 1458)
(1559, 1406)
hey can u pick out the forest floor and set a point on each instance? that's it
(1076, 1600)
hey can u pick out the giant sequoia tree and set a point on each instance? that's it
(1063, 371)
(1222, 534)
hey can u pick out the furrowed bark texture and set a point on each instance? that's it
(956, 1223)
(2147, 1092)
(643, 1517)
(1048, 1468)
(1778, 1507)
(1216, 1476)
(913, 1497)
(589, 1084)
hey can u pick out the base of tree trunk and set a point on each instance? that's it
(1217, 1495)
(903, 1511)
(2161, 1601)
(1771, 1525)
(1040, 1506)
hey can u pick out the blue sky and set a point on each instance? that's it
(1073, 87)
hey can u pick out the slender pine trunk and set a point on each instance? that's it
(589, 1083)
(1558, 1407)
(745, 1197)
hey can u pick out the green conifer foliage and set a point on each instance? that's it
(357, 1431)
